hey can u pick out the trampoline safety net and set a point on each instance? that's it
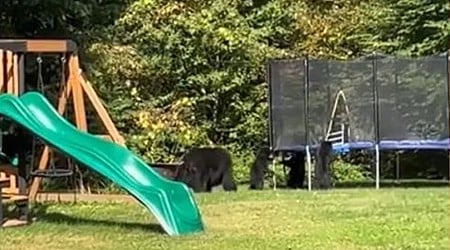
(395, 102)
(287, 103)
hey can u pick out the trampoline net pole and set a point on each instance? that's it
(376, 119)
(377, 166)
(447, 58)
(308, 161)
(274, 176)
(306, 118)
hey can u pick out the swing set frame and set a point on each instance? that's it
(12, 80)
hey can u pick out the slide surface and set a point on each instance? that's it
(171, 202)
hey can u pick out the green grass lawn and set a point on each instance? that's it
(339, 219)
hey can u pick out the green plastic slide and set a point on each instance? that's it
(171, 202)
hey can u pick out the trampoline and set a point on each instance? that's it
(373, 103)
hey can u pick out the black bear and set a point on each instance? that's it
(296, 165)
(295, 162)
(323, 155)
(259, 168)
(204, 168)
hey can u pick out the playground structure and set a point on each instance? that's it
(171, 202)
(373, 103)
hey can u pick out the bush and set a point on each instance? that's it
(345, 172)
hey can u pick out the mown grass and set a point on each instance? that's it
(338, 219)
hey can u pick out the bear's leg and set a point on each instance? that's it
(228, 182)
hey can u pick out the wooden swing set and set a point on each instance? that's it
(13, 187)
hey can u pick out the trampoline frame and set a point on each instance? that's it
(375, 145)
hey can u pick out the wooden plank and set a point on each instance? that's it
(8, 169)
(15, 74)
(14, 223)
(77, 94)
(9, 72)
(4, 182)
(43, 162)
(13, 184)
(11, 190)
(38, 45)
(21, 74)
(2, 71)
(101, 110)
(14, 197)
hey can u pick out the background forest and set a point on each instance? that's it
(174, 74)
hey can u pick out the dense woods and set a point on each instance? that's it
(175, 74)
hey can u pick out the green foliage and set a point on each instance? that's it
(345, 172)
(170, 51)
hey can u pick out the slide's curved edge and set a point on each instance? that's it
(172, 204)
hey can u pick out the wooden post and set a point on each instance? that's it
(15, 74)
(2, 71)
(11, 79)
(78, 97)
(101, 111)
(9, 72)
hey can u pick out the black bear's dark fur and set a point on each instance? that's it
(322, 178)
(204, 168)
(296, 165)
(259, 168)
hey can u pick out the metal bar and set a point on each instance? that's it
(448, 101)
(376, 120)
(377, 167)
(397, 166)
(270, 102)
(308, 161)
(337, 133)
(308, 154)
(306, 102)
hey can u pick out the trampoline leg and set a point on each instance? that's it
(308, 161)
(377, 167)
(274, 176)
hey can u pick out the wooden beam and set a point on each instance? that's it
(105, 137)
(21, 74)
(15, 74)
(9, 73)
(101, 111)
(7, 168)
(43, 162)
(77, 94)
(2, 70)
(38, 45)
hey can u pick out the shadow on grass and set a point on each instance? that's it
(41, 214)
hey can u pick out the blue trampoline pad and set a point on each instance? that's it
(385, 144)
(392, 144)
